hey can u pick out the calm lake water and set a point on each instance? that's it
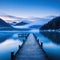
(9, 41)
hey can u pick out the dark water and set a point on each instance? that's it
(9, 42)
(51, 44)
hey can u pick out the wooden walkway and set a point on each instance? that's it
(30, 50)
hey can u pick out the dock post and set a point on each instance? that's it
(19, 47)
(26, 37)
(12, 55)
(41, 44)
(38, 40)
(23, 41)
(35, 36)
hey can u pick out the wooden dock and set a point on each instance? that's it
(31, 50)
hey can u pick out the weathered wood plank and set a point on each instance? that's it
(30, 50)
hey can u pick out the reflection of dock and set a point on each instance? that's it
(22, 35)
(30, 50)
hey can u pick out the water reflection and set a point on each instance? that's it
(4, 36)
(53, 36)
(7, 47)
(52, 48)
(9, 41)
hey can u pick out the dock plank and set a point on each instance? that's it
(30, 50)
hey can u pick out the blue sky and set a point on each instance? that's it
(30, 8)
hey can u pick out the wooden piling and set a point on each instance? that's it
(12, 55)
(23, 41)
(38, 40)
(23, 53)
(19, 47)
(41, 44)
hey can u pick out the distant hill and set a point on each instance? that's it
(4, 25)
(35, 26)
(7, 27)
(21, 23)
(53, 24)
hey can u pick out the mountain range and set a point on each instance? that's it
(53, 24)
(10, 19)
(16, 23)
(21, 23)
(4, 25)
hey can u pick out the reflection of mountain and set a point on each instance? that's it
(4, 25)
(53, 36)
(21, 23)
(21, 29)
(4, 36)
(53, 24)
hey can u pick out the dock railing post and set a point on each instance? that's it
(38, 40)
(26, 37)
(19, 47)
(41, 44)
(23, 41)
(12, 55)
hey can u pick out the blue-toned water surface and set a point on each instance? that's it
(51, 44)
(9, 41)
